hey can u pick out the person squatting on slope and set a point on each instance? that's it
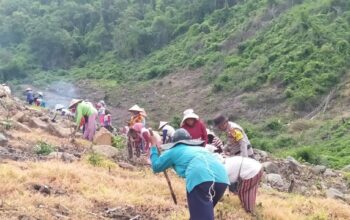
(237, 140)
(89, 113)
(145, 136)
(245, 174)
(206, 178)
(167, 131)
(194, 126)
(39, 100)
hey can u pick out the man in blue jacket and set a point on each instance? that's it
(206, 178)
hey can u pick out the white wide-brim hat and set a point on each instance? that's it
(74, 102)
(189, 115)
(59, 107)
(162, 124)
(143, 112)
(135, 108)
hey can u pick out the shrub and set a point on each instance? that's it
(43, 148)
(274, 125)
(98, 160)
(95, 159)
(119, 142)
(198, 62)
(309, 155)
(175, 122)
(284, 141)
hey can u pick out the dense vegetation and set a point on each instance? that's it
(300, 46)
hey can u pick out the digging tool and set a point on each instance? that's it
(166, 176)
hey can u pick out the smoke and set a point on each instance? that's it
(59, 93)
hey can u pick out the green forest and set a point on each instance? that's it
(300, 46)
(306, 49)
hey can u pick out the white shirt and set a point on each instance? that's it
(250, 167)
(170, 130)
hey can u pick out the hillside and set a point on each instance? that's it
(44, 175)
(278, 67)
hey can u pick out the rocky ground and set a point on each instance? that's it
(28, 136)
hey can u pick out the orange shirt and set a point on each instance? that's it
(136, 119)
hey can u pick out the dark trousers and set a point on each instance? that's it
(199, 203)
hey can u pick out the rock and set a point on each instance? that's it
(293, 161)
(43, 189)
(59, 131)
(293, 164)
(45, 118)
(3, 140)
(22, 127)
(19, 117)
(303, 189)
(67, 157)
(38, 123)
(346, 168)
(55, 155)
(126, 166)
(105, 150)
(63, 210)
(25, 217)
(319, 169)
(262, 153)
(335, 194)
(270, 167)
(329, 173)
(274, 179)
(266, 187)
(347, 198)
(3, 151)
(103, 137)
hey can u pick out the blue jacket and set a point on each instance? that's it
(30, 96)
(196, 164)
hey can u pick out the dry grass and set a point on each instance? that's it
(89, 190)
(24, 140)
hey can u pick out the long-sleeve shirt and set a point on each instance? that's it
(136, 119)
(30, 96)
(84, 109)
(237, 141)
(146, 136)
(168, 131)
(196, 164)
(249, 167)
(197, 131)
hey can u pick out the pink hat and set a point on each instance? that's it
(138, 127)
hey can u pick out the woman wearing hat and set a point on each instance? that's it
(194, 126)
(167, 130)
(206, 178)
(137, 116)
(238, 143)
(89, 113)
